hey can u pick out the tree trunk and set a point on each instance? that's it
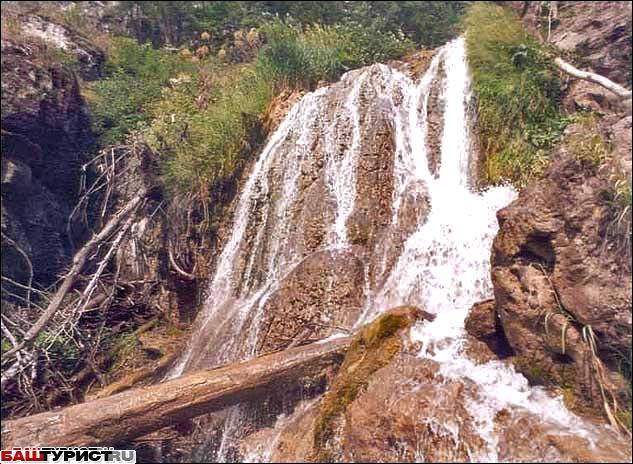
(136, 412)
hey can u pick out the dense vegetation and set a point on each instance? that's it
(518, 95)
(426, 23)
(196, 104)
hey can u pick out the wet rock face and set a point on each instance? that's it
(435, 122)
(410, 413)
(404, 416)
(374, 186)
(322, 294)
(45, 127)
(556, 271)
(525, 438)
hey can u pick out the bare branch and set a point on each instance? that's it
(177, 268)
(593, 77)
(78, 262)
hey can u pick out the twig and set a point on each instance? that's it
(25, 287)
(78, 262)
(28, 263)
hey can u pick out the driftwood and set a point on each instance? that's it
(122, 417)
(593, 77)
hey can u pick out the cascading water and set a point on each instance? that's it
(445, 268)
(443, 262)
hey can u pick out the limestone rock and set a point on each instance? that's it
(555, 270)
(323, 294)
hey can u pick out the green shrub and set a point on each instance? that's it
(303, 57)
(136, 75)
(199, 128)
(60, 348)
(518, 93)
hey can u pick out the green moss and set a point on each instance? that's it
(373, 348)
(122, 348)
(534, 372)
(518, 94)
(5, 345)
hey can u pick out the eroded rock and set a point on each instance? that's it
(322, 295)
(559, 279)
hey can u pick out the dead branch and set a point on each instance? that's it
(608, 84)
(177, 268)
(11, 242)
(78, 262)
(24, 287)
(16, 368)
(87, 293)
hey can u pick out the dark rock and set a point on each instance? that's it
(45, 130)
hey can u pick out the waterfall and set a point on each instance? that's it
(442, 264)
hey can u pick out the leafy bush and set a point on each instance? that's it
(200, 128)
(136, 75)
(302, 58)
(518, 94)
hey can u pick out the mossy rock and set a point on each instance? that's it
(373, 348)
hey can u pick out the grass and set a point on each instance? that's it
(587, 143)
(618, 231)
(518, 93)
(122, 348)
(202, 128)
(373, 348)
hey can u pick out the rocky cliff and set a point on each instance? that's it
(45, 132)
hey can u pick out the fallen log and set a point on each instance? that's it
(136, 412)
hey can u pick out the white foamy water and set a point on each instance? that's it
(444, 265)
(445, 269)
